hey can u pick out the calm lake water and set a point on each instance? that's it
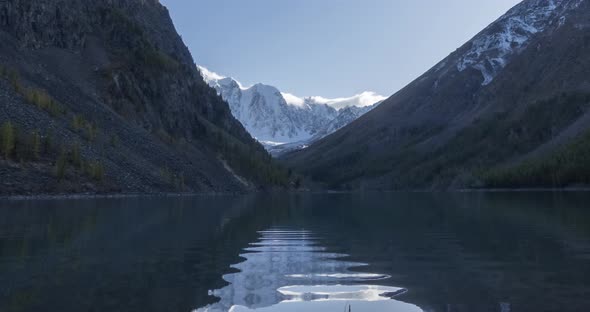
(313, 252)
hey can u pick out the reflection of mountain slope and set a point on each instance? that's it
(287, 270)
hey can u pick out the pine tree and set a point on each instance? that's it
(61, 165)
(36, 144)
(8, 139)
(75, 154)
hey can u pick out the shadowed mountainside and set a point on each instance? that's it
(492, 114)
(102, 96)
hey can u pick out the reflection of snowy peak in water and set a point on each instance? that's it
(287, 270)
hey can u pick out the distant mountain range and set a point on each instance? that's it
(510, 108)
(283, 122)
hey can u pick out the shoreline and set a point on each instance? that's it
(334, 192)
(507, 190)
(107, 196)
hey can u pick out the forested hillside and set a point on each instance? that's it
(102, 96)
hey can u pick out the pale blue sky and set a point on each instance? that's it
(331, 48)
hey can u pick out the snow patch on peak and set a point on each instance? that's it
(364, 99)
(208, 75)
(214, 79)
(293, 99)
(359, 100)
(490, 50)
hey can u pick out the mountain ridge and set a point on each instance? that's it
(103, 97)
(282, 121)
(452, 126)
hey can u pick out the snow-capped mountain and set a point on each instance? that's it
(282, 121)
(492, 48)
(345, 116)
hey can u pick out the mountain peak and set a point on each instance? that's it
(282, 120)
(366, 98)
(491, 49)
(208, 75)
(444, 130)
(214, 79)
(363, 99)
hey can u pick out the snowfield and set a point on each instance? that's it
(283, 121)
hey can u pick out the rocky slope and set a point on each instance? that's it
(283, 122)
(102, 96)
(517, 93)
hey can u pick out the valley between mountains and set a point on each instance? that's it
(105, 97)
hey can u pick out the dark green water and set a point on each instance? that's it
(450, 252)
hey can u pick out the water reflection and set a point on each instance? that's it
(288, 269)
(488, 252)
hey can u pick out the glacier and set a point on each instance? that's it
(283, 122)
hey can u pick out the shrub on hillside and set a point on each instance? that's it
(95, 170)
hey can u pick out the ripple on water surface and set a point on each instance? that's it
(288, 270)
